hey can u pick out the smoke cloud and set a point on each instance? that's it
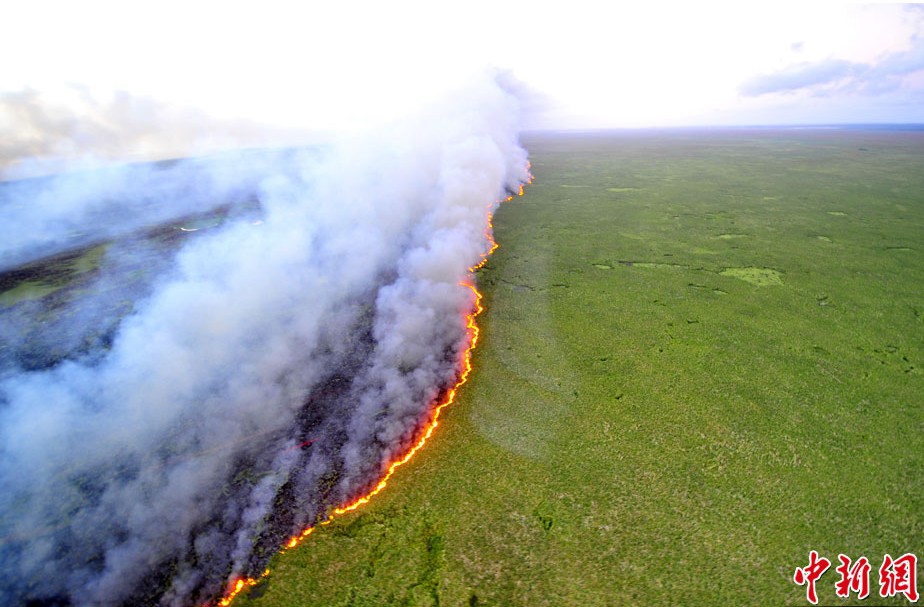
(264, 370)
(51, 130)
(46, 215)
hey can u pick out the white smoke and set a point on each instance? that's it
(152, 473)
(73, 127)
(44, 216)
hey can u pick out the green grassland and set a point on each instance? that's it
(702, 358)
(48, 276)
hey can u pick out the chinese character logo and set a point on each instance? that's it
(896, 576)
(853, 579)
(899, 576)
(807, 576)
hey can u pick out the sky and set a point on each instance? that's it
(312, 67)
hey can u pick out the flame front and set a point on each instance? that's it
(465, 365)
(237, 586)
(472, 330)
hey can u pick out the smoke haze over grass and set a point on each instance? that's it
(69, 127)
(176, 455)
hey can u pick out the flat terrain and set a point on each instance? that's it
(702, 357)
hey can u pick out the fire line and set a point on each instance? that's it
(238, 585)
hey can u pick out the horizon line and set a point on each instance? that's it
(902, 126)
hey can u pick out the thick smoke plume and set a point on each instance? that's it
(264, 373)
(51, 130)
(48, 215)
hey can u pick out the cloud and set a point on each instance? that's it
(797, 77)
(904, 63)
(890, 73)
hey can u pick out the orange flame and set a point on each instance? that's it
(240, 584)
(466, 365)
(472, 329)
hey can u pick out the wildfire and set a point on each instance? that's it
(466, 367)
(489, 234)
(434, 421)
(238, 586)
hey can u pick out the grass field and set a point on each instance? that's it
(702, 358)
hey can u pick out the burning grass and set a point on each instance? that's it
(255, 383)
(632, 435)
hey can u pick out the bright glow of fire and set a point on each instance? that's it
(434, 421)
(237, 586)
